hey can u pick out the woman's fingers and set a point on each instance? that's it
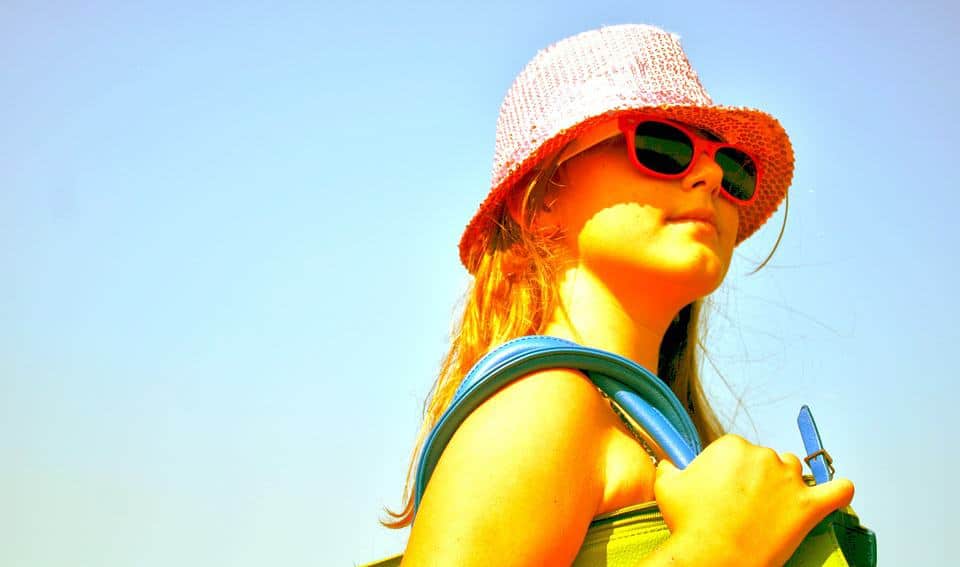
(793, 462)
(666, 469)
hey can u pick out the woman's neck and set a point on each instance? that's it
(625, 321)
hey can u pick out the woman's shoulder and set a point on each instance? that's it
(556, 398)
(524, 466)
(550, 428)
(559, 418)
(547, 413)
(556, 410)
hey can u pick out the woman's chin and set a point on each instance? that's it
(698, 278)
(693, 271)
(702, 269)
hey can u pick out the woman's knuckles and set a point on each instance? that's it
(793, 463)
(732, 440)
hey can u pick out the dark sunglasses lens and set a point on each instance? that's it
(739, 173)
(662, 148)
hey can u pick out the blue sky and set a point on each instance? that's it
(228, 238)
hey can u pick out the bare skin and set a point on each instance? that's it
(523, 476)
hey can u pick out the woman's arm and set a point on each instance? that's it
(521, 479)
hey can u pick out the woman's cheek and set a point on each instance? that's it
(622, 232)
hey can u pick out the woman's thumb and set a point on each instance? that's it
(832, 495)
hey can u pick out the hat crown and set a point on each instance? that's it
(588, 75)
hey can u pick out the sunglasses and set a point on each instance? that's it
(668, 150)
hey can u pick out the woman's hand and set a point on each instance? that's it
(742, 504)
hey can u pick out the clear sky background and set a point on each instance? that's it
(228, 251)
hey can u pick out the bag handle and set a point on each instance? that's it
(640, 393)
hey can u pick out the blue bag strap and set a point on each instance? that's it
(818, 459)
(643, 396)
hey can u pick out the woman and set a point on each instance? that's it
(619, 192)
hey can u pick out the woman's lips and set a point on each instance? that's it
(705, 217)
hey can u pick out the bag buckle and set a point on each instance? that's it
(826, 457)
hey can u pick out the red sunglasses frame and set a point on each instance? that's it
(628, 125)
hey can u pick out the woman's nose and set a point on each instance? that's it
(705, 174)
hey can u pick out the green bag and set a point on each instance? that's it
(624, 537)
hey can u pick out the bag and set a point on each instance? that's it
(623, 537)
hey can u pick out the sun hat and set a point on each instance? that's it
(588, 79)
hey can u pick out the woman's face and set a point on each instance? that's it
(629, 227)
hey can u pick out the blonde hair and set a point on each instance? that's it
(512, 295)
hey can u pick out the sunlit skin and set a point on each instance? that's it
(644, 247)
(526, 472)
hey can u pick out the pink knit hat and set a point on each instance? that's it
(597, 75)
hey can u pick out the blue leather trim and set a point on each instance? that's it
(505, 353)
(822, 472)
(639, 392)
(658, 427)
